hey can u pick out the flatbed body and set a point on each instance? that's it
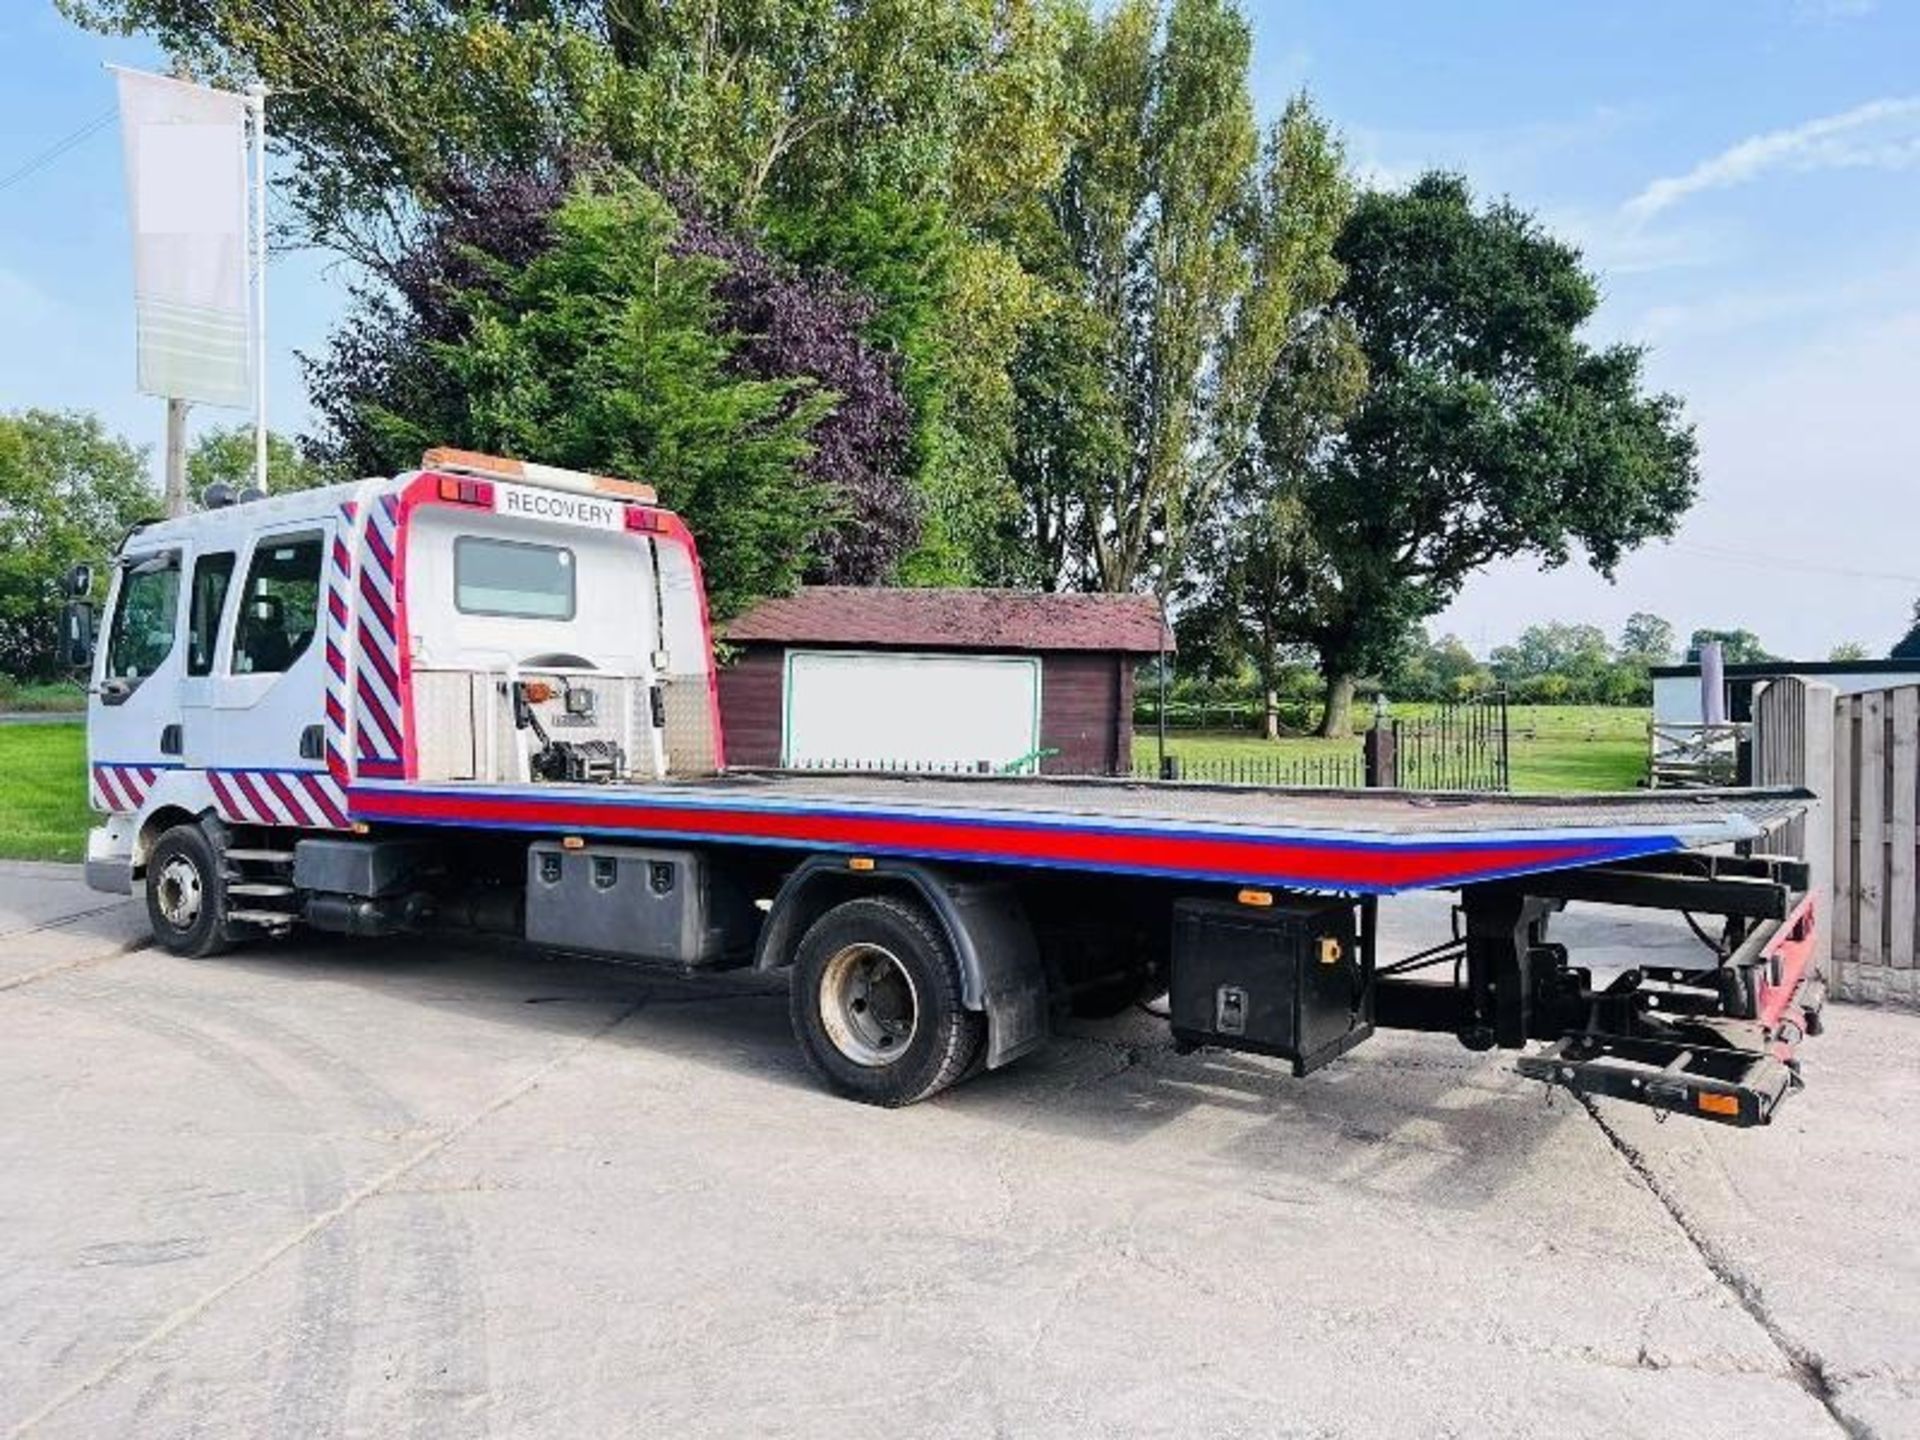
(1374, 842)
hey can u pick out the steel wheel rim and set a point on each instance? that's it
(869, 1005)
(179, 892)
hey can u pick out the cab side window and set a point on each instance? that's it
(144, 619)
(212, 575)
(280, 604)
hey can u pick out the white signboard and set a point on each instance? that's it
(186, 149)
(564, 507)
(874, 708)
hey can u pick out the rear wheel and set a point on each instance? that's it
(876, 1003)
(186, 893)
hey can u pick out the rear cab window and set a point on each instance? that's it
(512, 578)
(280, 606)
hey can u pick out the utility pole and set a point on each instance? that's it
(257, 106)
(176, 491)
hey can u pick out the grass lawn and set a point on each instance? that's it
(1551, 747)
(51, 695)
(43, 792)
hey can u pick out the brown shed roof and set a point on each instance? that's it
(954, 619)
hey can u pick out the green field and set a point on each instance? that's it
(43, 792)
(1552, 747)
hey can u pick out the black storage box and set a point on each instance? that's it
(1286, 980)
(635, 903)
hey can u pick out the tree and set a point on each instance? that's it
(1846, 651)
(1437, 670)
(1907, 647)
(1189, 250)
(1487, 430)
(1577, 653)
(68, 492)
(1646, 639)
(817, 100)
(1255, 548)
(918, 134)
(401, 374)
(227, 454)
(1737, 647)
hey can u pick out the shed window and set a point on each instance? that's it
(513, 578)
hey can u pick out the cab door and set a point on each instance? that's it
(209, 583)
(133, 705)
(267, 690)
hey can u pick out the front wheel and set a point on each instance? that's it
(876, 1003)
(187, 893)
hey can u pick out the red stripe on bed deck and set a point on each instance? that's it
(1340, 862)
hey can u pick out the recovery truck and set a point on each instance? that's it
(481, 696)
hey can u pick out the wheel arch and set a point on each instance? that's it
(152, 826)
(983, 920)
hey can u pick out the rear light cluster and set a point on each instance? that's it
(639, 517)
(457, 491)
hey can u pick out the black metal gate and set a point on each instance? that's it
(1463, 746)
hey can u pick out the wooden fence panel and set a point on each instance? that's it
(1866, 822)
(1846, 902)
(1870, 935)
(1904, 743)
(1876, 789)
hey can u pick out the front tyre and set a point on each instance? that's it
(187, 893)
(876, 1003)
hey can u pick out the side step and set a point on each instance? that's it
(259, 889)
(271, 919)
(263, 857)
(1732, 1087)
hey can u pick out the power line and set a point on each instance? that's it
(1781, 562)
(59, 147)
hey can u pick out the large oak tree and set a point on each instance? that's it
(1487, 429)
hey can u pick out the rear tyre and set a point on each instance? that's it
(876, 1004)
(187, 893)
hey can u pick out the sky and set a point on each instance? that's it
(1742, 175)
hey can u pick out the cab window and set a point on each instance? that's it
(512, 578)
(279, 605)
(143, 620)
(212, 575)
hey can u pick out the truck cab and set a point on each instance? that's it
(477, 620)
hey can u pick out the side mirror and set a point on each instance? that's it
(79, 581)
(76, 634)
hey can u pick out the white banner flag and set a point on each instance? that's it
(186, 149)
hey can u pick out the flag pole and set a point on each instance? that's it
(257, 101)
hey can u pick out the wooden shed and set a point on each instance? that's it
(994, 679)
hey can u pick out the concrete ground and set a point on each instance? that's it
(332, 1189)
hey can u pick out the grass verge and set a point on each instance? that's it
(1551, 747)
(43, 792)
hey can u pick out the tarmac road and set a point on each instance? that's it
(334, 1189)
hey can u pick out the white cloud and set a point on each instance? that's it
(1881, 134)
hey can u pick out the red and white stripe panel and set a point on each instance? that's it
(122, 788)
(339, 622)
(310, 799)
(379, 747)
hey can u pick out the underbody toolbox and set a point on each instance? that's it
(1290, 981)
(639, 903)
